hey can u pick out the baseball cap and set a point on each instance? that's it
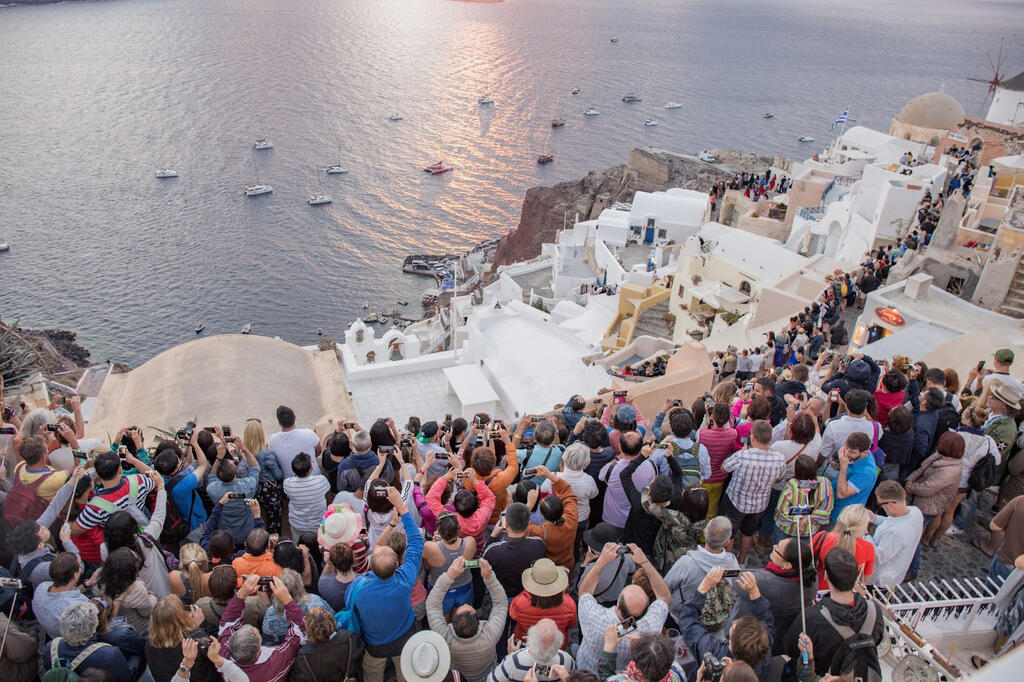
(1004, 355)
(427, 431)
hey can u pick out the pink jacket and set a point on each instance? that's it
(476, 525)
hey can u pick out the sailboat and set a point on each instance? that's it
(256, 188)
(339, 169)
(318, 198)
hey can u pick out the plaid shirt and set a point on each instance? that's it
(753, 473)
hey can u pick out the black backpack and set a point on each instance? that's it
(983, 474)
(858, 652)
(176, 525)
(948, 420)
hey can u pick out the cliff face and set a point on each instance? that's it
(546, 208)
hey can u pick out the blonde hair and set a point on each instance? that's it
(168, 622)
(723, 393)
(293, 583)
(852, 524)
(194, 563)
(253, 438)
(320, 625)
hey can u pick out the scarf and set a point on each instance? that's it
(781, 572)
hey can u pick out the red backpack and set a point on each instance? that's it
(23, 502)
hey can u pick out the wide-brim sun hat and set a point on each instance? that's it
(544, 578)
(340, 524)
(1006, 394)
(425, 657)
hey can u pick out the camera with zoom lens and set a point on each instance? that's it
(186, 433)
(713, 668)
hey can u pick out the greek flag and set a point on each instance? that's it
(842, 119)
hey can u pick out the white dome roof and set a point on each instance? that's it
(932, 110)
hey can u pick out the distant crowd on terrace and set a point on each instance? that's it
(594, 542)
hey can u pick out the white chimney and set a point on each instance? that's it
(917, 286)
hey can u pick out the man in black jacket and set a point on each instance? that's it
(844, 607)
(642, 527)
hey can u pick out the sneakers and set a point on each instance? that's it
(953, 530)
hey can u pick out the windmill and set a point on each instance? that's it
(999, 71)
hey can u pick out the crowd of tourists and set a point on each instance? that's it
(594, 542)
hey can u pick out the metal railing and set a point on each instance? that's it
(815, 213)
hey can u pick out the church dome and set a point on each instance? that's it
(932, 110)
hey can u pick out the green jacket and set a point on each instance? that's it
(1004, 432)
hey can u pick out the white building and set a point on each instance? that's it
(1007, 106)
(653, 218)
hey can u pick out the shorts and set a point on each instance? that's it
(748, 524)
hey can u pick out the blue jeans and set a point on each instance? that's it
(968, 507)
(916, 563)
(998, 571)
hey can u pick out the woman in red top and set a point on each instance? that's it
(851, 527)
(543, 596)
(720, 440)
(890, 395)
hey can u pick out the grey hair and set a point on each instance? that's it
(293, 583)
(361, 441)
(78, 623)
(576, 457)
(717, 532)
(35, 421)
(245, 644)
(543, 640)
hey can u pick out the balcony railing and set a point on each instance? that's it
(815, 213)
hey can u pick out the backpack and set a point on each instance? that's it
(177, 526)
(688, 461)
(983, 474)
(717, 605)
(23, 502)
(63, 671)
(857, 652)
(347, 618)
(948, 420)
(23, 596)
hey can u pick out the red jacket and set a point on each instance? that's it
(526, 615)
(476, 525)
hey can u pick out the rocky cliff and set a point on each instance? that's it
(58, 349)
(649, 170)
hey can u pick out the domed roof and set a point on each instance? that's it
(932, 110)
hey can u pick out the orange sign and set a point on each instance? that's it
(889, 316)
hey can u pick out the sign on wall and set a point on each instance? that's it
(890, 316)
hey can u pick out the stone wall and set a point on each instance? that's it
(995, 280)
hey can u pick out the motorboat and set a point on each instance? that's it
(383, 319)
(631, 97)
(371, 318)
(673, 105)
(650, 122)
(557, 122)
(255, 189)
(767, 114)
(320, 331)
(574, 91)
(247, 329)
(615, 40)
(263, 143)
(591, 112)
(545, 158)
(4, 247)
(434, 166)
(805, 138)
(166, 173)
(441, 169)
(336, 170)
(707, 156)
(365, 305)
(200, 328)
(318, 198)
(402, 302)
(485, 100)
(395, 117)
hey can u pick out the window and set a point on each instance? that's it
(650, 222)
(636, 229)
(662, 233)
(955, 285)
(360, 335)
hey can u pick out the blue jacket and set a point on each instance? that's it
(700, 641)
(269, 466)
(105, 658)
(384, 607)
(235, 515)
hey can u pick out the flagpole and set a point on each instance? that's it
(842, 128)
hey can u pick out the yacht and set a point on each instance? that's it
(631, 97)
(485, 100)
(650, 122)
(574, 91)
(4, 247)
(320, 331)
(318, 198)
(166, 173)
(805, 138)
(434, 166)
(247, 329)
(615, 40)
(591, 112)
(402, 302)
(200, 328)
(707, 156)
(263, 143)
(371, 318)
(395, 117)
(383, 319)
(365, 305)
(337, 169)
(767, 114)
(256, 188)
(545, 158)
(557, 122)
(673, 105)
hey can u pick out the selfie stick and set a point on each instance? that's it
(10, 616)
(800, 581)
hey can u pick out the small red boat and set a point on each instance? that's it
(440, 169)
(434, 166)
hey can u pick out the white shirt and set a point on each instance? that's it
(62, 459)
(839, 429)
(307, 501)
(1006, 379)
(287, 444)
(582, 485)
(895, 539)
(788, 448)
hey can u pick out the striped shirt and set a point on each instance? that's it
(120, 496)
(753, 473)
(513, 668)
(307, 501)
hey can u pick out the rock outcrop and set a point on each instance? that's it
(58, 349)
(546, 209)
